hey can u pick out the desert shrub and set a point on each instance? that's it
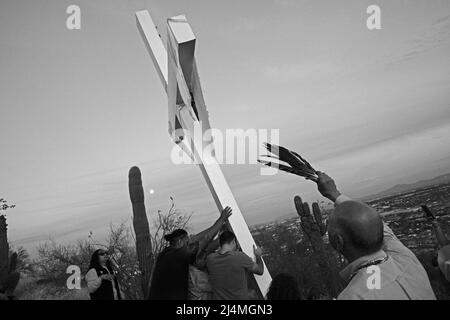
(48, 277)
(53, 259)
(165, 223)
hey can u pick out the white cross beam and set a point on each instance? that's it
(178, 72)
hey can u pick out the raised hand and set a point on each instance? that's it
(327, 186)
(257, 251)
(226, 213)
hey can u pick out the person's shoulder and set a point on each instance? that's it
(236, 253)
(241, 257)
(355, 290)
(212, 256)
(91, 273)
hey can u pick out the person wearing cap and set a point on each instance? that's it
(357, 231)
(170, 276)
(443, 255)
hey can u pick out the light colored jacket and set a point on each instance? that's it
(199, 287)
(94, 282)
(402, 276)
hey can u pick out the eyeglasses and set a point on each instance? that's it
(102, 254)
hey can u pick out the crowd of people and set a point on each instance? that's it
(210, 266)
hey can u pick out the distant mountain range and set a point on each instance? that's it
(400, 188)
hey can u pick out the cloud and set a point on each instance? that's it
(306, 70)
(437, 35)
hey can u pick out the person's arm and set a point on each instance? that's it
(258, 266)
(93, 280)
(200, 260)
(391, 244)
(207, 235)
(327, 187)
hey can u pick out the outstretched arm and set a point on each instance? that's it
(200, 261)
(391, 243)
(327, 186)
(440, 236)
(207, 235)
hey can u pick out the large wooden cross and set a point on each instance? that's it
(178, 72)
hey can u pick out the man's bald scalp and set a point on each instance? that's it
(360, 224)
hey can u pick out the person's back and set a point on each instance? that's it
(380, 266)
(227, 269)
(401, 275)
(170, 277)
(227, 275)
(171, 274)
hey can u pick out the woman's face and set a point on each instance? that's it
(102, 257)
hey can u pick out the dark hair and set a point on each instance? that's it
(226, 237)
(283, 287)
(95, 264)
(175, 235)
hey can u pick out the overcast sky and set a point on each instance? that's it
(80, 107)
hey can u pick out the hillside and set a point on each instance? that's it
(400, 188)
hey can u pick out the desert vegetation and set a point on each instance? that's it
(297, 246)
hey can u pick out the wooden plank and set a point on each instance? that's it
(211, 170)
(153, 43)
(223, 197)
(181, 49)
(158, 53)
(181, 81)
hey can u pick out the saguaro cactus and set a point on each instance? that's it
(312, 225)
(141, 227)
(314, 228)
(9, 277)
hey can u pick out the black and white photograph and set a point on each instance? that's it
(224, 155)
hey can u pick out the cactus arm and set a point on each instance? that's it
(9, 277)
(318, 218)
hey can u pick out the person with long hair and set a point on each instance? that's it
(283, 287)
(101, 281)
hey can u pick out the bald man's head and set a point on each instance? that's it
(359, 226)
